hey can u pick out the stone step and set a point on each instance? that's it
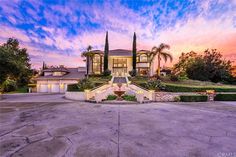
(119, 80)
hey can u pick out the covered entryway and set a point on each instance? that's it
(119, 66)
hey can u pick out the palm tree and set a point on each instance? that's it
(88, 55)
(161, 53)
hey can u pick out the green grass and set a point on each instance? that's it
(173, 87)
(187, 85)
(19, 90)
(100, 79)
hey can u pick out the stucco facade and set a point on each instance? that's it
(56, 80)
(120, 62)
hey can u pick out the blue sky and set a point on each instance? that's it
(58, 31)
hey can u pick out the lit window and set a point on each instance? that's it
(97, 64)
(143, 58)
(57, 73)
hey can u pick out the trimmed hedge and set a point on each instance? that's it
(186, 88)
(111, 97)
(73, 88)
(129, 97)
(225, 97)
(193, 98)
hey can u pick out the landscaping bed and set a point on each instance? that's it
(188, 88)
(225, 97)
(193, 98)
(83, 85)
(184, 86)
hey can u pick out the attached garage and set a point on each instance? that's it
(55, 88)
(43, 88)
(55, 80)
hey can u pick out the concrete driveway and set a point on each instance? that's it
(67, 128)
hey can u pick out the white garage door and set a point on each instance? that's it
(55, 88)
(43, 88)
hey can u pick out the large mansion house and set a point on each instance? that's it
(56, 79)
(120, 62)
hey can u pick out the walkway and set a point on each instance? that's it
(83, 129)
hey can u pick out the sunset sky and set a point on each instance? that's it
(58, 31)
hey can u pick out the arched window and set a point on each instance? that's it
(97, 64)
(143, 58)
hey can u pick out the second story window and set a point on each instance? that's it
(142, 58)
(57, 73)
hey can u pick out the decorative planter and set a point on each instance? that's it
(75, 95)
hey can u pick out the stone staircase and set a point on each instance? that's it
(99, 94)
(120, 80)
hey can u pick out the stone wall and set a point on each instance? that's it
(75, 95)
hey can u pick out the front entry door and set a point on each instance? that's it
(119, 66)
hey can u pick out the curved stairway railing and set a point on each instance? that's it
(100, 93)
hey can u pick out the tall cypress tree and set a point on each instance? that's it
(106, 52)
(134, 53)
(44, 66)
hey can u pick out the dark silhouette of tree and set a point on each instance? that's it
(134, 53)
(106, 53)
(14, 63)
(160, 52)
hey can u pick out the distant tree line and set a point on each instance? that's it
(209, 66)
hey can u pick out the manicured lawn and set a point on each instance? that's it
(100, 79)
(175, 87)
(188, 85)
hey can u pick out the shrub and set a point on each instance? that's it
(129, 97)
(107, 72)
(154, 85)
(225, 97)
(97, 84)
(72, 87)
(9, 85)
(177, 99)
(174, 77)
(111, 97)
(184, 77)
(81, 86)
(193, 98)
(133, 72)
(186, 88)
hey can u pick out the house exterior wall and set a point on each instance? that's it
(53, 86)
(47, 73)
(141, 65)
(129, 62)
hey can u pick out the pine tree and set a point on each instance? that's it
(106, 53)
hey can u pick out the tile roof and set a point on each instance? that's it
(72, 73)
(120, 52)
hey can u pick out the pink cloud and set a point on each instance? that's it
(9, 32)
(198, 34)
